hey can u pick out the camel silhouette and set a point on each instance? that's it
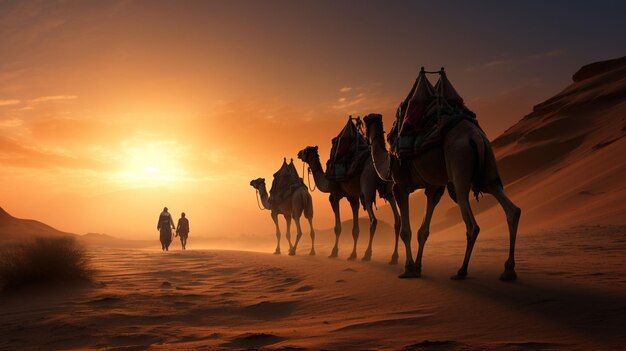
(463, 161)
(294, 206)
(360, 187)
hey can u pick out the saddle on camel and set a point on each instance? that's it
(426, 115)
(349, 150)
(286, 180)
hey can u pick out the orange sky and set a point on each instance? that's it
(111, 110)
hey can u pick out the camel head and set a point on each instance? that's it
(373, 125)
(256, 183)
(308, 153)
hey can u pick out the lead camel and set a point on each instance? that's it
(465, 160)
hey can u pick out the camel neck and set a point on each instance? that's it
(318, 175)
(380, 156)
(265, 199)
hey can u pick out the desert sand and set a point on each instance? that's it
(571, 295)
(563, 164)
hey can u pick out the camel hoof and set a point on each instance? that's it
(333, 253)
(312, 253)
(277, 252)
(352, 257)
(409, 274)
(292, 252)
(367, 258)
(508, 276)
(394, 259)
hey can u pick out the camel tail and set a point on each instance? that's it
(307, 202)
(486, 169)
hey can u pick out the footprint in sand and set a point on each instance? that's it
(270, 309)
(350, 270)
(166, 285)
(253, 340)
(305, 288)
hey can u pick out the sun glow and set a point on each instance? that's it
(149, 163)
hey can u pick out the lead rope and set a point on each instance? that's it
(258, 203)
(308, 177)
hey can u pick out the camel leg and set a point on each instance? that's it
(513, 214)
(292, 252)
(471, 226)
(396, 228)
(308, 214)
(355, 227)
(288, 235)
(433, 195)
(312, 252)
(334, 203)
(275, 219)
(373, 223)
(402, 196)
(298, 202)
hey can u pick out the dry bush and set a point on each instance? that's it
(43, 261)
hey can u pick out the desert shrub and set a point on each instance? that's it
(43, 261)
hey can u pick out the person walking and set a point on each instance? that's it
(182, 230)
(165, 226)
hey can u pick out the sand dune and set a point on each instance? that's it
(16, 228)
(571, 297)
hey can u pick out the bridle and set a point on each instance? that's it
(308, 177)
(258, 203)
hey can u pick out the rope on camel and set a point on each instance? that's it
(308, 177)
(258, 203)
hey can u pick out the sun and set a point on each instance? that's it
(150, 163)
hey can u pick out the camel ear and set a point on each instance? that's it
(316, 148)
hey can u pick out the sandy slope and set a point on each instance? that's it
(569, 297)
(15, 228)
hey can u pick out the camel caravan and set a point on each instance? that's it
(435, 144)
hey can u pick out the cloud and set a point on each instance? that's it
(9, 102)
(11, 123)
(510, 62)
(348, 104)
(54, 98)
(14, 154)
(345, 89)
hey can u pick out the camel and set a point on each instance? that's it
(464, 161)
(361, 187)
(298, 203)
